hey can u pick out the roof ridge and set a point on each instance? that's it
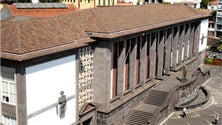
(91, 10)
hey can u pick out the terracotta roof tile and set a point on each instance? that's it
(213, 2)
(116, 19)
(41, 12)
(26, 38)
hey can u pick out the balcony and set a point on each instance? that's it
(219, 14)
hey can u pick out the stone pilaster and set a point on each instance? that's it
(167, 50)
(186, 41)
(153, 55)
(196, 38)
(160, 54)
(132, 64)
(191, 40)
(180, 44)
(174, 47)
(102, 84)
(21, 106)
(143, 47)
(120, 69)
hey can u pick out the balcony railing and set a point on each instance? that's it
(219, 22)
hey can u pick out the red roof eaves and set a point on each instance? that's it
(41, 12)
(42, 52)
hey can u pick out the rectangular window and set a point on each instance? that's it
(147, 55)
(115, 65)
(156, 53)
(138, 60)
(8, 120)
(127, 53)
(8, 85)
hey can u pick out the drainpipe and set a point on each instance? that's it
(78, 4)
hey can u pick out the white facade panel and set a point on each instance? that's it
(203, 35)
(44, 82)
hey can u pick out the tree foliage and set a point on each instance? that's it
(213, 15)
(204, 3)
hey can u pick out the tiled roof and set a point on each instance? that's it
(215, 2)
(31, 37)
(123, 20)
(24, 38)
(188, 3)
(41, 12)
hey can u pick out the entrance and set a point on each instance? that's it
(87, 122)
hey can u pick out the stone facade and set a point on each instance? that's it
(149, 56)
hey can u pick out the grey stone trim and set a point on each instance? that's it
(77, 85)
(174, 47)
(167, 49)
(120, 68)
(160, 53)
(186, 40)
(132, 64)
(21, 106)
(191, 40)
(153, 55)
(180, 44)
(143, 46)
(196, 37)
(102, 84)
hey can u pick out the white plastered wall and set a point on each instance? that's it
(203, 35)
(43, 85)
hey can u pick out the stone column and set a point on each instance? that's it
(196, 38)
(102, 84)
(160, 54)
(186, 40)
(167, 50)
(153, 55)
(180, 44)
(174, 47)
(132, 64)
(21, 107)
(143, 47)
(191, 40)
(120, 69)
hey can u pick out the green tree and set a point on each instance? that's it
(213, 15)
(204, 3)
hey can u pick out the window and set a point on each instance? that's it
(126, 65)
(8, 120)
(8, 85)
(115, 68)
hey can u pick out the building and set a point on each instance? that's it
(93, 66)
(219, 19)
(37, 9)
(86, 4)
(212, 6)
